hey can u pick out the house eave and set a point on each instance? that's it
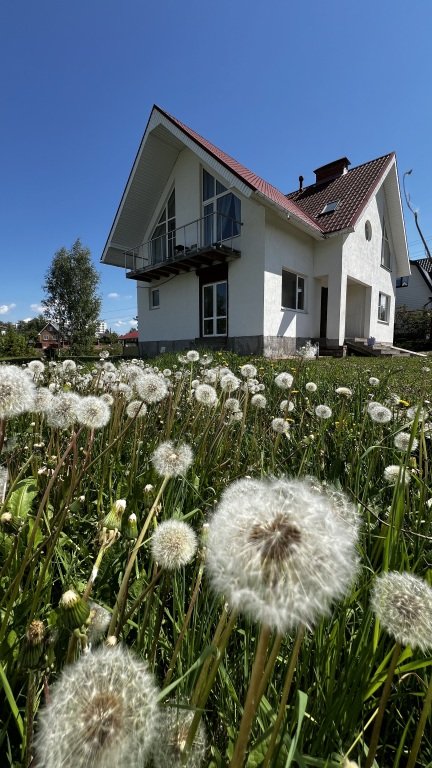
(288, 215)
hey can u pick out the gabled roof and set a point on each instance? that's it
(130, 336)
(424, 267)
(351, 191)
(256, 183)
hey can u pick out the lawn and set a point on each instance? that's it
(214, 561)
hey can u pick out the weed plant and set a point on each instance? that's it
(108, 551)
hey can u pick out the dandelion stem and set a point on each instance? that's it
(2, 433)
(29, 720)
(186, 621)
(373, 744)
(285, 693)
(412, 758)
(121, 597)
(252, 698)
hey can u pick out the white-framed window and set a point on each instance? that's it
(154, 298)
(221, 211)
(385, 249)
(293, 290)
(215, 309)
(163, 237)
(383, 308)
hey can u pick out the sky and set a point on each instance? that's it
(283, 87)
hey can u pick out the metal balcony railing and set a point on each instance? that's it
(216, 230)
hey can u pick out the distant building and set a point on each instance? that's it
(49, 337)
(101, 328)
(129, 339)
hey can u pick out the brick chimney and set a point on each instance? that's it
(331, 170)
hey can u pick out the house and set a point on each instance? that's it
(223, 258)
(415, 292)
(129, 339)
(49, 337)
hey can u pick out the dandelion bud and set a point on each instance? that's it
(148, 488)
(113, 519)
(10, 523)
(111, 641)
(33, 644)
(74, 611)
(131, 528)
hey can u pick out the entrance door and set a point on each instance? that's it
(323, 316)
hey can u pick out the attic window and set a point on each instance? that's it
(330, 207)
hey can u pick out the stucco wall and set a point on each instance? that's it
(290, 249)
(362, 262)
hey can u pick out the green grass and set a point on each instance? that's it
(53, 539)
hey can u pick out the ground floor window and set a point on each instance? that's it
(293, 290)
(154, 298)
(215, 309)
(384, 308)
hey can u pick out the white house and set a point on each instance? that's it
(221, 257)
(415, 292)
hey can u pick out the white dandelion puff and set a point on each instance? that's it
(284, 380)
(232, 405)
(42, 400)
(343, 391)
(36, 367)
(259, 401)
(229, 382)
(205, 394)
(102, 713)
(286, 406)
(248, 371)
(170, 460)
(69, 366)
(136, 409)
(93, 412)
(417, 409)
(62, 412)
(323, 411)
(173, 544)
(169, 747)
(151, 388)
(192, 356)
(279, 551)
(402, 442)
(402, 603)
(380, 414)
(393, 472)
(373, 381)
(17, 391)
(311, 386)
(279, 425)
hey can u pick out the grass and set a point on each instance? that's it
(62, 483)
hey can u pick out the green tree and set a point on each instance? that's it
(12, 343)
(72, 301)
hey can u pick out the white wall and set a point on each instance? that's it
(287, 247)
(362, 262)
(328, 270)
(416, 293)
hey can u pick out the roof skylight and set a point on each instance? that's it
(330, 207)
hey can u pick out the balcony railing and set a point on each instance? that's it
(214, 232)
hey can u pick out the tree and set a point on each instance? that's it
(12, 343)
(72, 302)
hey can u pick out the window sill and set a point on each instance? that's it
(383, 322)
(299, 311)
(387, 269)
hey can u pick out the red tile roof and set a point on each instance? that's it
(131, 336)
(244, 174)
(352, 191)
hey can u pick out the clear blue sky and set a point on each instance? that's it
(283, 87)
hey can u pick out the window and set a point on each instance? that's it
(293, 290)
(368, 230)
(154, 298)
(215, 309)
(330, 207)
(385, 249)
(402, 282)
(163, 237)
(383, 308)
(221, 211)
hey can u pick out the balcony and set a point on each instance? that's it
(201, 243)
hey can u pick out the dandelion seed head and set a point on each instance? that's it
(42, 399)
(280, 425)
(229, 382)
(108, 398)
(343, 391)
(284, 380)
(402, 442)
(248, 371)
(62, 411)
(192, 356)
(205, 394)
(259, 401)
(98, 622)
(402, 603)
(414, 410)
(93, 412)
(232, 405)
(170, 460)
(173, 544)
(69, 366)
(17, 391)
(286, 406)
(102, 713)
(380, 414)
(279, 552)
(373, 381)
(394, 471)
(136, 409)
(169, 748)
(151, 388)
(323, 411)
(36, 367)
(311, 386)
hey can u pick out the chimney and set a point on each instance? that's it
(331, 170)
(301, 180)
